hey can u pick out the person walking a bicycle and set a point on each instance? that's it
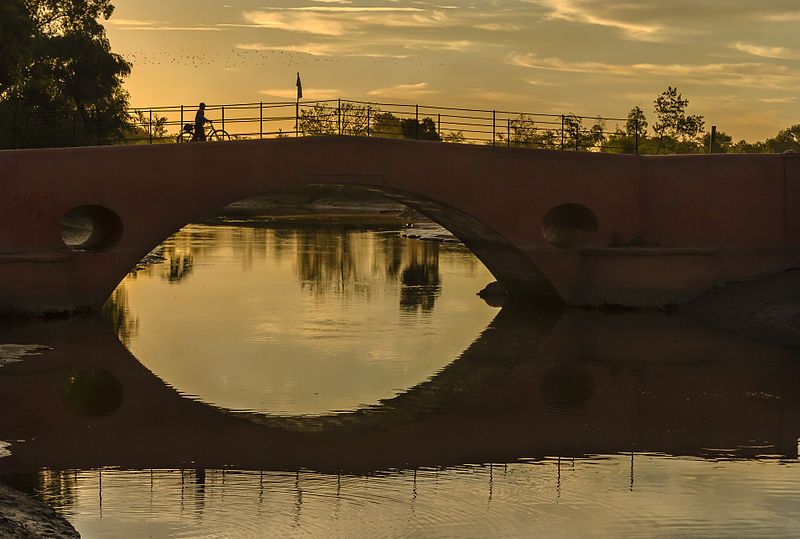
(199, 124)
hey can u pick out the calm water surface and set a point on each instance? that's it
(299, 378)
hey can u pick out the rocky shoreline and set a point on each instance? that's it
(23, 517)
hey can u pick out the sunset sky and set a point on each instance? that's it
(737, 61)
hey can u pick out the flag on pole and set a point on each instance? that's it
(299, 88)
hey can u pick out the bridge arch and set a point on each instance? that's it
(518, 275)
(370, 164)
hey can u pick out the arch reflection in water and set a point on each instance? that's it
(300, 318)
(659, 385)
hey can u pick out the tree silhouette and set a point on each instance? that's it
(673, 124)
(59, 81)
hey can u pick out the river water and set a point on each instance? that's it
(330, 377)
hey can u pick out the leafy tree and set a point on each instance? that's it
(675, 130)
(386, 125)
(747, 147)
(637, 122)
(577, 136)
(359, 120)
(144, 128)
(456, 137)
(17, 36)
(421, 130)
(326, 119)
(522, 131)
(723, 142)
(60, 74)
(786, 139)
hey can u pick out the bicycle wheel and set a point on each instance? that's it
(184, 137)
(219, 134)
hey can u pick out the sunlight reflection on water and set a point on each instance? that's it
(302, 321)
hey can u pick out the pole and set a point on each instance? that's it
(494, 118)
(508, 131)
(369, 109)
(73, 128)
(14, 130)
(150, 127)
(297, 118)
(181, 127)
(562, 132)
(636, 131)
(439, 124)
(339, 115)
(713, 138)
(260, 119)
(223, 117)
(416, 120)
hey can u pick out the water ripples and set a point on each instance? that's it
(614, 495)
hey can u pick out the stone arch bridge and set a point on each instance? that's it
(588, 228)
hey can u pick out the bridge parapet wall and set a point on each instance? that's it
(660, 229)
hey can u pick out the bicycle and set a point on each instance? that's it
(187, 135)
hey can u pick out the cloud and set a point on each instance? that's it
(766, 52)
(134, 22)
(594, 13)
(778, 99)
(749, 74)
(311, 23)
(353, 49)
(786, 16)
(405, 90)
(308, 93)
(500, 26)
(534, 82)
(159, 26)
(343, 20)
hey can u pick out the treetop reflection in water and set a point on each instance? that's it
(300, 320)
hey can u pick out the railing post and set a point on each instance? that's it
(223, 117)
(439, 124)
(369, 109)
(562, 132)
(416, 119)
(180, 129)
(297, 118)
(339, 115)
(508, 131)
(494, 121)
(150, 127)
(260, 119)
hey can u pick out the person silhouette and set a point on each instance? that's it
(199, 122)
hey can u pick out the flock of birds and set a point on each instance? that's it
(239, 58)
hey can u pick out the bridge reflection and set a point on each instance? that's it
(532, 384)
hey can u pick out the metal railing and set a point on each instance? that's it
(258, 120)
